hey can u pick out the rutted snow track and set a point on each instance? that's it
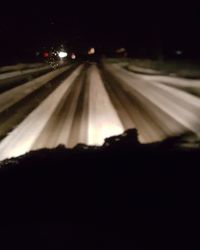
(91, 104)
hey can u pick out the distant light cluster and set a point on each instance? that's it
(56, 56)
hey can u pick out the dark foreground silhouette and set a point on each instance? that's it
(123, 195)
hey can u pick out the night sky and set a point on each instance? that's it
(143, 28)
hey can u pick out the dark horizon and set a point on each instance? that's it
(144, 29)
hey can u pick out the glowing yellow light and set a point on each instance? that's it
(91, 51)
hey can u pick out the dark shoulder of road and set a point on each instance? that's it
(123, 195)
